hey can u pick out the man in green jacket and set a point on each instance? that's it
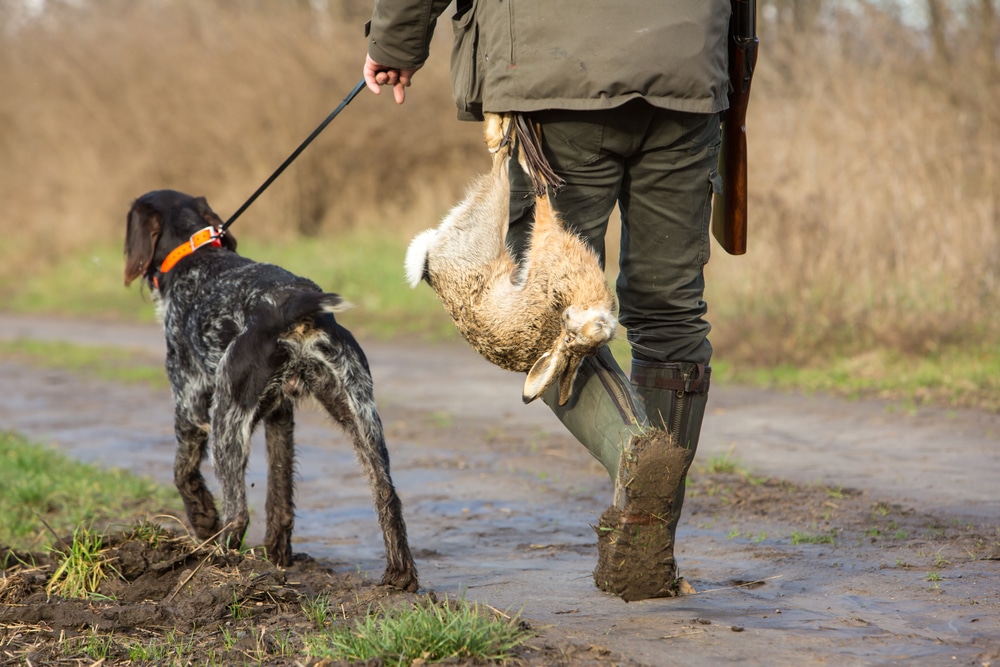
(628, 96)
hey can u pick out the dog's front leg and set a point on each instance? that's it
(280, 507)
(192, 446)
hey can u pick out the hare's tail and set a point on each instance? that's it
(416, 256)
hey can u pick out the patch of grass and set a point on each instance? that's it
(238, 608)
(170, 649)
(83, 284)
(431, 633)
(107, 363)
(880, 510)
(965, 376)
(814, 538)
(81, 568)
(94, 645)
(317, 610)
(721, 464)
(42, 485)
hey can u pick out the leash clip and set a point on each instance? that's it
(208, 235)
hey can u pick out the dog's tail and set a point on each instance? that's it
(300, 312)
(301, 306)
(256, 353)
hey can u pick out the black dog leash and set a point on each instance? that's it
(213, 236)
(291, 158)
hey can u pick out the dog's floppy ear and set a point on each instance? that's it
(141, 234)
(210, 218)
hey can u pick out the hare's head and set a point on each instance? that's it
(584, 331)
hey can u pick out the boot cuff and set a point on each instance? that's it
(673, 376)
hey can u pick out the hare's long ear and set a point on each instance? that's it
(551, 367)
(568, 376)
(142, 231)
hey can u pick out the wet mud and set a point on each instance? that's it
(849, 533)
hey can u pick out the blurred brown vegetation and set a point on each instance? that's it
(875, 151)
(107, 99)
(875, 213)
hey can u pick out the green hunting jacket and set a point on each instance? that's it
(528, 55)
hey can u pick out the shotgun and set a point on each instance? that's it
(729, 214)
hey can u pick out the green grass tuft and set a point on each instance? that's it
(722, 464)
(433, 633)
(81, 567)
(814, 538)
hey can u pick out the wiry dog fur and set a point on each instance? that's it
(244, 341)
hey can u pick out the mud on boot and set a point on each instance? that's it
(635, 536)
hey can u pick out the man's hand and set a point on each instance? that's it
(377, 75)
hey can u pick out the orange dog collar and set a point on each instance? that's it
(207, 236)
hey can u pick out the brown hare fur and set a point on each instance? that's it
(541, 318)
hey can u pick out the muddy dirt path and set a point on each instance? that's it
(875, 540)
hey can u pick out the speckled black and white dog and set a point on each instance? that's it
(244, 341)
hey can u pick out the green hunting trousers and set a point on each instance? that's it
(660, 167)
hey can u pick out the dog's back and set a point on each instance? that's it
(221, 296)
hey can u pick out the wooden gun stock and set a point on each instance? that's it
(729, 214)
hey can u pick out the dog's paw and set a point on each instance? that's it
(404, 579)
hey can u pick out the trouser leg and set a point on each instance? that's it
(660, 167)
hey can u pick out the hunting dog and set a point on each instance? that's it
(245, 340)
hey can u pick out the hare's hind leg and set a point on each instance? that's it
(495, 130)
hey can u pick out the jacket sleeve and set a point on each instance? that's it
(400, 31)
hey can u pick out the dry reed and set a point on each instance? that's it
(874, 211)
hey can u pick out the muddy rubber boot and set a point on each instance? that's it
(636, 535)
(603, 412)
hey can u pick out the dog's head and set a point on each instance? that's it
(158, 222)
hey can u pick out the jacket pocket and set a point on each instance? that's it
(467, 67)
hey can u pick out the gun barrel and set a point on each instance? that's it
(729, 215)
(744, 19)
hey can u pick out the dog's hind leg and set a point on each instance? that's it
(231, 429)
(349, 398)
(191, 429)
(242, 378)
(280, 507)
